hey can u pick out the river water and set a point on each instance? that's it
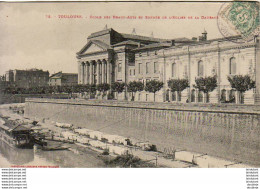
(10, 157)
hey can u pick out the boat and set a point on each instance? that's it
(16, 135)
(49, 145)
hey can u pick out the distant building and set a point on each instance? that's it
(3, 83)
(110, 56)
(27, 78)
(61, 79)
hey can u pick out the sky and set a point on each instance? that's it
(30, 39)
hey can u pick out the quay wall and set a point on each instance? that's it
(232, 135)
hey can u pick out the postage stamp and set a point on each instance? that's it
(239, 18)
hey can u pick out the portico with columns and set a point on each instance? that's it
(95, 71)
(95, 63)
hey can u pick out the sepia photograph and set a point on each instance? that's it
(130, 85)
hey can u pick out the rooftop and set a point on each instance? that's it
(60, 74)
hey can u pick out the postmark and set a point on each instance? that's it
(239, 19)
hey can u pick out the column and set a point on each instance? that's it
(98, 72)
(108, 72)
(87, 73)
(103, 71)
(83, 73)
(79, 72)
(91, 73)
(196, 96)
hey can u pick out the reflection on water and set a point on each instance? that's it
(10, 156)
(16, 156)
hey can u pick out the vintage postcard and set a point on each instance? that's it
(130, 84)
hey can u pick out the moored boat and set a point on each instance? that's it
(16, 136)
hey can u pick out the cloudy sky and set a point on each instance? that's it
(29, 39)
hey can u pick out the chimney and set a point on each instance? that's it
(204, 35)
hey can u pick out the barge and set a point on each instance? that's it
(16, 135)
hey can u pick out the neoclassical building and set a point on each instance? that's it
(111, 56)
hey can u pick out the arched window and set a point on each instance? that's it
(174, 98)
(232, 96)
(200, 68)
(174, 70)
(200, 96)
(139, 96)
(232, 66)
(223, 95)
(193, 95)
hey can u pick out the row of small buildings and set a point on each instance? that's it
(38, 78)
(110, 56)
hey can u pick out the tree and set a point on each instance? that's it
(103, 87)
(49, 89)
(92, 89)
(153, 86)
(134, 86)
(67, 89)
(178, 85)
(118, 87)
(206, 84)
(241, 83)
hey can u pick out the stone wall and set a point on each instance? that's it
(229, 134)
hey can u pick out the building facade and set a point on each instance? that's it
(27, 78)
(61, 79)
(110, 56)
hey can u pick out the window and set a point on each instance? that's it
(232, 96)
(223, 95)
(193, 95)
(139, 96)
(146, 97)
(140, 54)
(147, 67)
(185, 73)
(147, 53)
(232, 66)
(174, 98)
(119, 67)
(200, 68)
(133, 71)
(200, 96)
(140, 68)
(130, 72)
(156, 67)
(174, 70)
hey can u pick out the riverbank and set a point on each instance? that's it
(231, 135)
(76, 154)
(114, 150)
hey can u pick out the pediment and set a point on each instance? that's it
(92, 47)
